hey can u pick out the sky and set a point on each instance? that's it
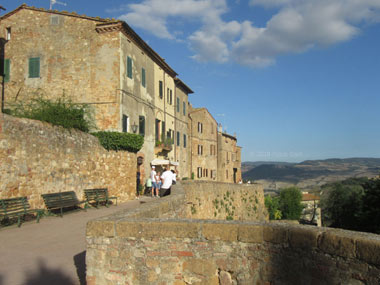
(294, 79)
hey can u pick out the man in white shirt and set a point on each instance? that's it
(167, 181)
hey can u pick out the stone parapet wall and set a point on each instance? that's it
(156, 245)
(38, 158)
(221, 201)
(162, 251)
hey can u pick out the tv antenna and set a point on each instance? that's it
(52, 2)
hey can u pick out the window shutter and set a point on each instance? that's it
(184, 140)
(129, 67)
(34, 67)
(142, 125)
(184, 108)
(143, 77)
(178, 142)
(7, 69)
(177, 104)
(160, 89)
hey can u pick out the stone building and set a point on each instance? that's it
(204, 141)
(229, 158)
(182, 144)
(101, 62)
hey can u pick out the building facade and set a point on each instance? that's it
(229, 158)
(100, 62)
(204, 141)
(130, 88)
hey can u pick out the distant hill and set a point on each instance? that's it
(309, 173)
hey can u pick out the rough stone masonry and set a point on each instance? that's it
(159, 244)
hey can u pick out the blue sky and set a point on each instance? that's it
(294, 79)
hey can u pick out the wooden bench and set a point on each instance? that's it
(61, 200)
(97, 196)
(17, 207)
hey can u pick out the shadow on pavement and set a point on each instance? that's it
(47, 276)
(80, 264)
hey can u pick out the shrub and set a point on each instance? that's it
(120, 141)
(61, 112)
(273, 204)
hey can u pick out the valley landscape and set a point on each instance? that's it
(309, 174)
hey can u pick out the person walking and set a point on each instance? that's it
(153, 175)
(167, 181)
(159, 183)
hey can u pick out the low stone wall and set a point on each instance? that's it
(38, 158)
(225, 201)
(153, 245)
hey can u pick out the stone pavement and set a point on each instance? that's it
(51, 252)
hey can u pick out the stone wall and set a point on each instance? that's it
(221, 201)
(37, 158)
(154, 245)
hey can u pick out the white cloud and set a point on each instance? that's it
(296, 26)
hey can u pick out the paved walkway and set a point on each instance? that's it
(51, 252)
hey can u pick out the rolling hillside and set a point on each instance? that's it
(310, 173)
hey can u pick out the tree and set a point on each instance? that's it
(370, 207)
(290, 203)
(342, 204)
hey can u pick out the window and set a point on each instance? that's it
(34, 67)
(213, 174)
(167, 96)
(161, 90)
(129, 67)
(125, 123)
(171, 97)
(184, 108)
(157, 127)
(142, 125)
(54, 20)
(177, 104)
(184, 140)
(143, 83)
(163, 130)
(226, 174)
(200, 127)
(7, 69)
(212, 149)
(8, 34)
(178, 136)
(200, 149)
(199, 172)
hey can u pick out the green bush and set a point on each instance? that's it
(273, 204)
(61, 112)
(120, 141)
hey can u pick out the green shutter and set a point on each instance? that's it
(7, 69)
(34, 67)
(129, 67)
(184, 108)
(177, 104)
(143, 77)
(161, 89)
(142, 125)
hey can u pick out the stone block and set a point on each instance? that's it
(275, 234)
(223, 232)
(303, 237)
(250, 233)
(368, 250)
(203, 267)
(335, 243)
(100, 229)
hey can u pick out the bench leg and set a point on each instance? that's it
(18, 221)
(61, 212)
